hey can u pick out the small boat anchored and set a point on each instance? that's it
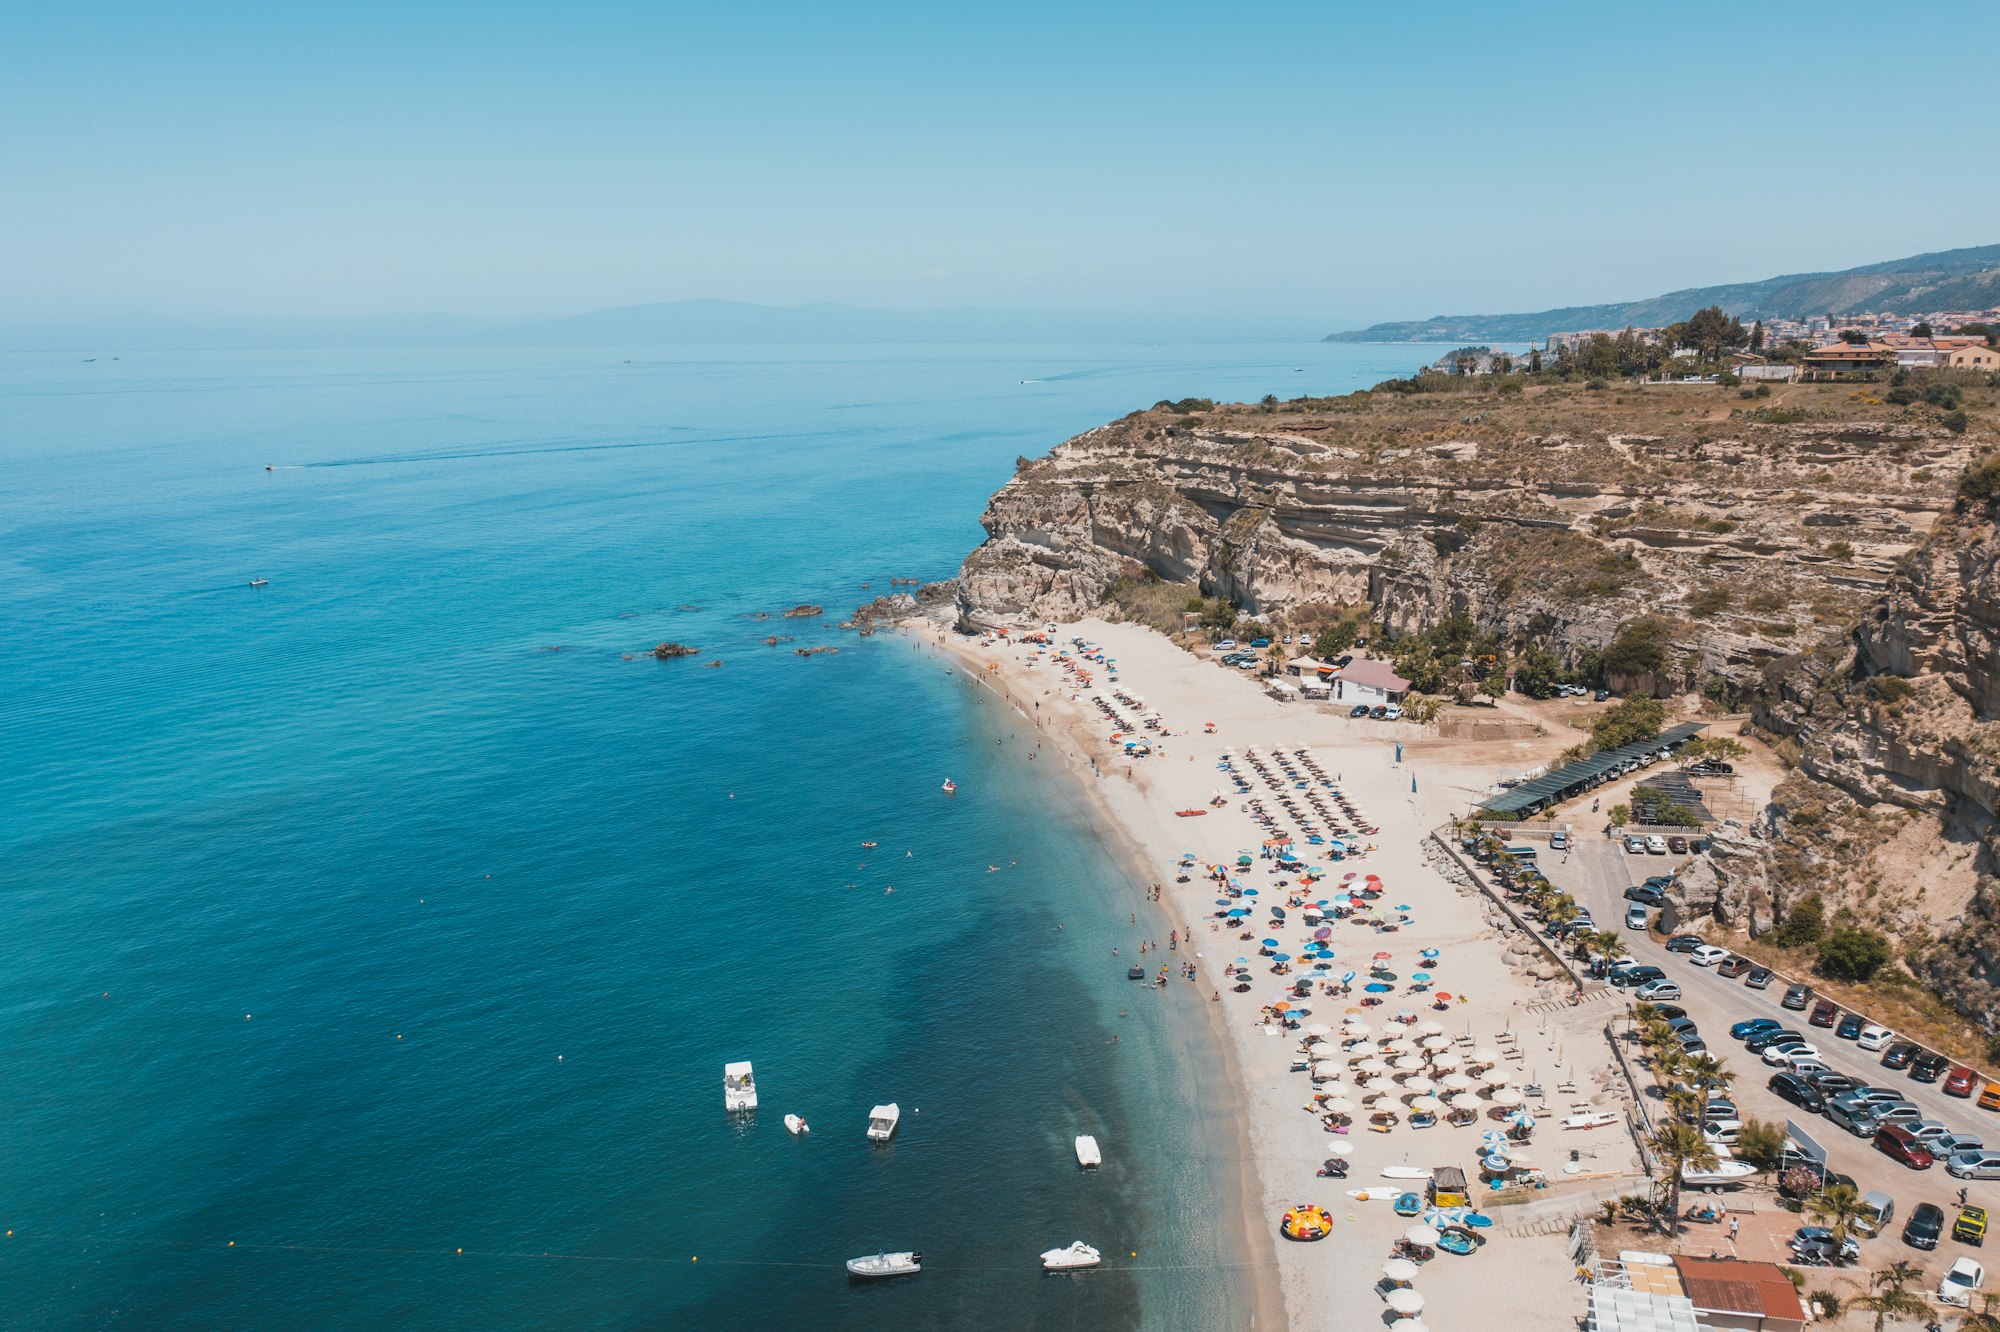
(739, 1087)
(878, 1265)
(260, 582)
(950, 786)
(1077, 1255)
(1087, 1154)
(882, 1121)
(797, 1127)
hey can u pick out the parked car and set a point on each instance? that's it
(1632, 977)
(1260, 642)
(1763, 1040)
(1974, 1165)
(1900, 1054)
(1930, 1133)
(1379, 711)
(1684, 943)
(1358, 710)
(1957, 1144)
(1831, 1084)
(1878, 1095)
(1722, 1134)
(1796, 996)
(1733, 967)
(1694, 1045)
(1781, 1053)
(1928, 1067)
(1959, 1083)
(1647, 896)
(1903, 1114)
(1656, 846)
(1816, 1245)
(1749, 1027)
(1635, 846)
(1225, 645)
(1849, 1028)
(1824, 1013)
(1394, 713)
(1854, 1118)
(1961, 1283)
(1925, 1225)
(1873, 1037)
(1635, 917)
(1895, 1142)
(1558, 841)
(1707, 955)
(1793, 1088)
(1670, 1013)
(1677, 844)
(1760, 978)
(1658, 989)
(1970, 1228)
(1989, 1096)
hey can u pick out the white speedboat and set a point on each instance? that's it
(882, 1121)
(739, 1087)
(796, 1126)
(1076, 1255)
(1722, 1172)
(1087, 1154)
(885, 1265)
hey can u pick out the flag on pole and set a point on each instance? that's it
(1399, 751)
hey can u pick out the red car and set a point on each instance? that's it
(1897, 1143)
(1959, 1081)
(1825, 1013)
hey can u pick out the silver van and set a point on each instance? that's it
(1878, 1212)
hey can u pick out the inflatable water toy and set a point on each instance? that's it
(1306, 1222)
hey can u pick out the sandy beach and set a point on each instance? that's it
(1514, 1280)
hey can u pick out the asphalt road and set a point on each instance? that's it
(1597, 873)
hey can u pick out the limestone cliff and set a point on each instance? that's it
(1554, 515)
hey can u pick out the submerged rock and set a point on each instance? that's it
(666, 651)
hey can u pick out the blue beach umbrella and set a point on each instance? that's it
(1249, 892)
(1423, 976)
(1281, 957)
(1268, 943)
(1346, 978)
(1378, 989)
(1236, 911)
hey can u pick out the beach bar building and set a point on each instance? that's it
(1365, 680)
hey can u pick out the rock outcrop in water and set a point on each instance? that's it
(1559, 515)
(668, 651)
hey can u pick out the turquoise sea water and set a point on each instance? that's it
(389, 910)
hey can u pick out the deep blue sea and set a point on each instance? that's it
(375, 938)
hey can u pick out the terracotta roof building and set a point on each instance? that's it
(1732, 1293)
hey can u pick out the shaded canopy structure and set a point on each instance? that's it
(1572, 779)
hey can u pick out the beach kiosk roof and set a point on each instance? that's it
(1575, 778)
(1301, 664)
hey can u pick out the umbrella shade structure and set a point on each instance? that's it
(1506, 1096)
(1427, 1104)
(1419, 1083)
(1495, 1163)
(1371, 1066)
(1281, 957)
(1405, 1300)
(1421, 1234)
(1495, 1077)
(1355, 1026)
(1458, 1082)
(1323, 932)
(1430, 1027)
(1445, 1060)
(1421, 977)
(1237, 911)
(1268, 943)
(1378, 988)
(1319, 1029)
(1337, 1105)
(1436, 1043)
(1400, 1269)
(1401, 1045)
(1466, 1101)
(1409, 1064)
(1340, 1148)
(1484, 1055)
(1384, 957)
(1380, 1087)
(1409, 1325)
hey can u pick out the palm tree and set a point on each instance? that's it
(1707, 1073)
(1677, 1145)
(1888, 1298)
(1838, 1206)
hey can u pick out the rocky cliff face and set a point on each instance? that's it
(1540, 517)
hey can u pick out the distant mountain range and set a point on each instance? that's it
(667, 323)
(1967, 279)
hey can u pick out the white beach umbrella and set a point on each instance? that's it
(1400, 1046)
(1405, 1300)
(1338, 1105)
(1400, 1269)
(1466, 1101)
(1431, 1028)
(1409, 1325)
(1427, 1104)
(1419, 1083)
(1484, 1055)
(1446, 1060)
(1409, 1064)
(1340, 1147)
(1435, 1043)
(1380, 1087)
(1421, 1234)
(1458, 1082)
(1506, 1096)
(1319, 1029)
(1356, 1027)
(1371, 1066)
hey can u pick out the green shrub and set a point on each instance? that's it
(1853, 953)
(1632, 720)
(1803, 924)
(1639, 648)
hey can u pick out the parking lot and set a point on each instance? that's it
(1597, 872)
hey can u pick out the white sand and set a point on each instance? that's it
(1512, 1281)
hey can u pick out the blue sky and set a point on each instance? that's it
(1321, 164)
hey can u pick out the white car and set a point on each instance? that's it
(1707, 955)
(1873, 1037)
(1658, 991)
(1960, 1284)
(1656, 846)
(1785, 1051)
(1394, 713)
(1225, 645)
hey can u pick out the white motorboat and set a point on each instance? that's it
(1087, 1154)
(1076, 1255)
(796, 1126)
(739, 1087)
(885, 1265)
(1722, 1172)
(882, 1121)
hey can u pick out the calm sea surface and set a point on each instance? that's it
(396, 909)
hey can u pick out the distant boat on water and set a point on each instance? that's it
(1077, 1255)
(260, 582)
(886, 1265)
(797, 1126)
(950, 786)
(1087, 1154)
(739, 1087)
(882, 1121)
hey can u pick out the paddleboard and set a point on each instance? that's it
(1405, 1172)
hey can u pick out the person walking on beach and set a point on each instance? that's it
(1734, 1223)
